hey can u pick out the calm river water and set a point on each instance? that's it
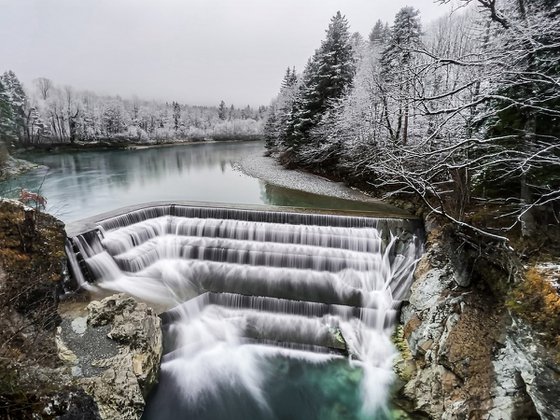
(83, 184)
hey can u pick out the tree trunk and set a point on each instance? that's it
(405, 125)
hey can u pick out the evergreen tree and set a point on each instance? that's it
(176, 116)
(290, 79)
(270, 130)
(246, 113)
(326, 78)
(18, 101)
(386, 32)
(7, 125)
(277, 117)
(222, 111)
(379, 34)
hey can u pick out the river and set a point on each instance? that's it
(83, 184)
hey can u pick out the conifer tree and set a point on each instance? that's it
(270, 130)
(379, 34)
(18, 102)
(176, 116)
(7, 129)
(279, 111)
(326, 78)
(222, 111)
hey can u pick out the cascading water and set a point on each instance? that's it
(255, 295)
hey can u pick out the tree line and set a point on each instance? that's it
(464, 111)
(48, 113)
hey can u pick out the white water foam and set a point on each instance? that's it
(310, 284)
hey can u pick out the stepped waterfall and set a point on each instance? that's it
(248, 296)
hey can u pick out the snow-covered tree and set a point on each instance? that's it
(279, 112)
(380, 33)
(113, 119)
(176, 116)
(18, 101)
(44, 87)
(222, 111)
(326, 79)
(398, 71)
(50, 113)
(7, 124)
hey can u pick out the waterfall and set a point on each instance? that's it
(242, 287)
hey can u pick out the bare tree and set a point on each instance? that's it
(44, 86)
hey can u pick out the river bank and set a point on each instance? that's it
(267, 169)
(130, 143)
(13, 167)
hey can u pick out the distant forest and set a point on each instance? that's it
(48, 113)
(462, 112)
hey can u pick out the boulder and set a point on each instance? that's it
(116, 356)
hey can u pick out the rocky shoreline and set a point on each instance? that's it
(267, 169)
(68, 360)
(114, 353)
(13, 167)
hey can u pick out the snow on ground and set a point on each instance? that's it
(267, 169)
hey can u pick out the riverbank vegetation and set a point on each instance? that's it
(46, 113)
(462, 114)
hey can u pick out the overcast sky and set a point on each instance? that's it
(192, 51)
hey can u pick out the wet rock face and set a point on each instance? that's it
(454, 333)
(116, 354)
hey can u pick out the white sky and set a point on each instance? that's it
(192, 51)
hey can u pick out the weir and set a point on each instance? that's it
(255, 284)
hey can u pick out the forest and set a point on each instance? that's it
(462, 112)
(48, 113)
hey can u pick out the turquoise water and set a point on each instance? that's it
(82, 184)
(293, 389)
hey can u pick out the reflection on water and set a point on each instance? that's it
(83, 184)
(280, 196)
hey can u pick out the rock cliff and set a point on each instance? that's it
(471, 358)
